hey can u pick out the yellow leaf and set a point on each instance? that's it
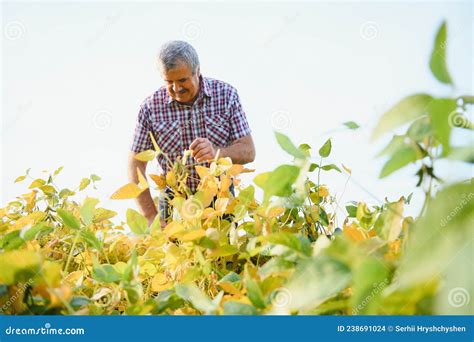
(146, 156)
(159, 180)
(155, 145)
(84, 183)
(159, 283)
(202, 171)
(194, 235)
(222, 251)
(349, 171)
(275, 211)
(19, 179)
(30, 219)
(225, 183)
(37, 183)
(30, 199)
(131, 190)
(323, 191)
(235, 170)
(142, 180)
(48, 189)
(173, 228)
(221, 204)
(354, 233)
(171, 178)
(230, 288)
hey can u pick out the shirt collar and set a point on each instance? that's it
(203, 88)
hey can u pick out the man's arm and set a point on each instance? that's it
(145, 203)
(241, 151)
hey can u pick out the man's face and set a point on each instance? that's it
(181, 83)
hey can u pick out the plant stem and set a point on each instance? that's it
(71, 251)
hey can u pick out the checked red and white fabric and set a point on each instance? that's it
(216, 114)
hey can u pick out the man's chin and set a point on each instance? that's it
(183, 99)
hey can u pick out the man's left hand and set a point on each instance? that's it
(202, 150)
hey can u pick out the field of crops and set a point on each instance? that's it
(285, 253)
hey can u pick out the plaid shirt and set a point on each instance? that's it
(216, 114)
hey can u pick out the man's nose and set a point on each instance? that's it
(176, 88)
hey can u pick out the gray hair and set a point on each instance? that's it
(176, 51)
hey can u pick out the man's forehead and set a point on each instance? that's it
(181, 70)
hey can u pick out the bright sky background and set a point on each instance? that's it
(74, 75)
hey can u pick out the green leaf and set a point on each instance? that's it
(331, 167)
(95, 178)
(408, 109)
(247, 195)
(438, 64)
(288, 146)
(442, 113)
(420, 129)
(399, 159)
(314, 281)
(91, 240)
(365, 216)
(467, 99)
(279, 182)
(230, 277)
(237, 308)
(261, 179)
(351, 210)
(389, 223)
(191, 293)
(438, 238)
(370, 279)
(274, 266)
(323, 217)
(105, 273)
(137, 222)
(325, 150)
(291, 241)
(32, 232)
(253, 291)
(69, 219)
(87, 210)
(167, 300)
(464, 153)
(351, 125)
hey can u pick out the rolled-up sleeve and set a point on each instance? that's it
(141, 139)
(239, 126)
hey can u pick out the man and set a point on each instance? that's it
(189, 112)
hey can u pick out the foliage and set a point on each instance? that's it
(289, 253)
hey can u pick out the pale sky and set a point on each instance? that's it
(74, 75)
